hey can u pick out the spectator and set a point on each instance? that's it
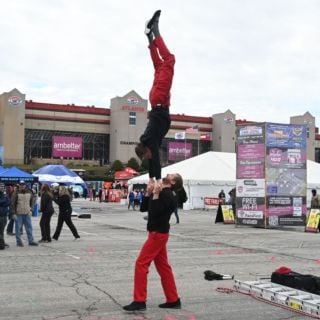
(65, 210)
(222, 197)
(131, 200)
(47, 210)
(181, 199)
(4, 212)
(315, 200)
(22, 202)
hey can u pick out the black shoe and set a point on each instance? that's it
(6, 245)
(77, 237)
(54, 238)
(154, 18)
(171, 305)
(11, 233)
(33, 244)
(20, 244)
(135, 306)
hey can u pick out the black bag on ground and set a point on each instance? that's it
(304, 282)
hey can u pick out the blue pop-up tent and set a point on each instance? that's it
(14, 175)
(58, 174)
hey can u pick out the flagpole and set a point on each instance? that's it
(198, 135)
(185, 145)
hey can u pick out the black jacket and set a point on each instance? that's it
(159, 210)
(64, 204)
(4, 206)
(46, 204)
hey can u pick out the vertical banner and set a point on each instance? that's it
(250, 188)
(286, 174)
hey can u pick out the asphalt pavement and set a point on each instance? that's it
(92, 278)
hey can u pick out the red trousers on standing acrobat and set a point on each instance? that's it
(154, 249)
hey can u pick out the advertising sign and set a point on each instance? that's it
(286, 174)
(313, 220)
(250, 188)
(66, 147)
(178, 151)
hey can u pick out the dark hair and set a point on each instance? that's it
(140, 150)
(178, 181)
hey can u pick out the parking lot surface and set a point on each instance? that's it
(92, 278)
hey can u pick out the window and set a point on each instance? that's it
(132, 118)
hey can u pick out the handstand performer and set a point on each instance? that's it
(159, 117)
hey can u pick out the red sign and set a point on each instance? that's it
(205, 136)
(208, 201)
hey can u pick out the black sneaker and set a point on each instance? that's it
(171, 305)
(135, 306)
(33, 244)
(20, 244)
(154, 18)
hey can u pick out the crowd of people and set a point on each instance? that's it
(17, 204)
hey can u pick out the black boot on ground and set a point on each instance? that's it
(135, 306)
(171, 305)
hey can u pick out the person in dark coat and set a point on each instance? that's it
(4, 212)
(47, 210)
(181, 199)
(65, 210)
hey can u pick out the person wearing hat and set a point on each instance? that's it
(22, 202)
(4, 211)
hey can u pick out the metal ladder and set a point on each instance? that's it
(282, 295)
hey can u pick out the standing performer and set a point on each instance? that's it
(159, 117)
(160, 204)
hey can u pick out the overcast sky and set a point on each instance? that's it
(260, 59)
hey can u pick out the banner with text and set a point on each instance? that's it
(250, 188)
(66, 147)
(286, 174)
(178, 151)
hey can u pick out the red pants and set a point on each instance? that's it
(163, 61)
(154, 249)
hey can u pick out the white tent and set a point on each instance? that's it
(205, 175)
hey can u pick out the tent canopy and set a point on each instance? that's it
(207, 168)
(14, 175)
(58, 174)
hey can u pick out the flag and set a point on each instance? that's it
(180, 135)
(193, 129)
(205, 136)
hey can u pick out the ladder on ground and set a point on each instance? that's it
(291, 298)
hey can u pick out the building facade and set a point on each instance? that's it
(36, 132)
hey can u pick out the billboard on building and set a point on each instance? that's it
(66, 147)
(178, 151)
